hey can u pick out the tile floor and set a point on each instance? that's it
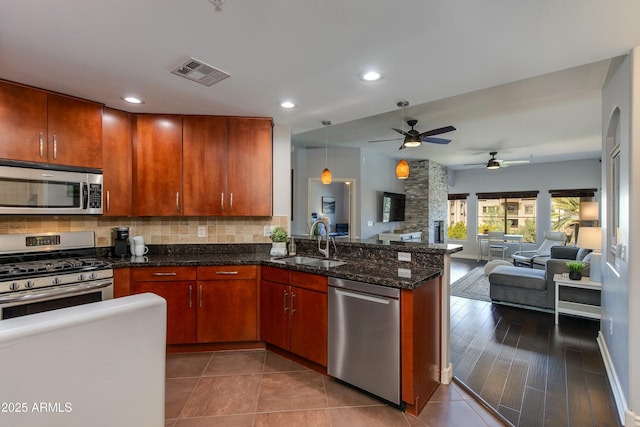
(259, 388)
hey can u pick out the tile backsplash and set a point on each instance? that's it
(156, 230)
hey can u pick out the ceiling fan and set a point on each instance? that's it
(494, 163)
(413, 138)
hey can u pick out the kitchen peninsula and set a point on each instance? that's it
(195, 274)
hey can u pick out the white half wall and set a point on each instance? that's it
(281, 170)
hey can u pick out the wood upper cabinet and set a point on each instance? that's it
(293, 312)
(228, 166)
(74, 129)
(37, 126)
(23, 123)
(157, 165)
(205, 159)
(249, 166)
(116, 162)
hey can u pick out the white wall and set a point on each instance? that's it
(620, 294)
(281, 170)
(541, 177)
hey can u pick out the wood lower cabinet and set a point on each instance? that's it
(121, 282)
(227, 303)
(205, 304)
(157, 165)
(177, 285)
(38, 126)
(293, 312)
(116, 162)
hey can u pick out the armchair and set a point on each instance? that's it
(543, 253)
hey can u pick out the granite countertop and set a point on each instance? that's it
(398, 275)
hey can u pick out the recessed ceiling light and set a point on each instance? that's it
(371, 76)
(287, 104)
(133, 100)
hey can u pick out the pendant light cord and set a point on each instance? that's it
(326, 124)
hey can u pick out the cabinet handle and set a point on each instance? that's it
(108, 201)
(231, 202)
(41, 144)
(222, 201)
(190, 298)
(293, 296)
(177, 201)
(284, 302)
(165, 274)
(227, 272)
(200, 296)
(55, 147)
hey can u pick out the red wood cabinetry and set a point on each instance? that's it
(229, 162)
(116, 162)
(38, 126)
(293, 312)
(157, 165)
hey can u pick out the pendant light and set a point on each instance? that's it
(326, 173)
(402, 169)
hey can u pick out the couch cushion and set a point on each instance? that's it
(519, 277)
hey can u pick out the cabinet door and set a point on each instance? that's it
(274, 314)
(181, 313)
(309, 324)
(249, 164)
(157, 173)
(116, 162)
(205, 158)
(121, 282)
(227, 311)
(74, 129)
(23, 123)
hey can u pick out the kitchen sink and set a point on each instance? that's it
(311, 261)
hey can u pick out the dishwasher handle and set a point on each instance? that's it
(370, 298)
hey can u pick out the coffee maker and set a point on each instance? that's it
(120, 240)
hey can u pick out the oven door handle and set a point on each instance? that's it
(47, 294)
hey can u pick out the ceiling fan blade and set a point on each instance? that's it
(438, 131)
(402, 147)
(434, 140)
(385, 140)
(515, 162)
(400, 131)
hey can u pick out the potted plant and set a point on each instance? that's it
(279, 239)
(575, 269)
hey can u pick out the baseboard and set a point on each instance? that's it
(447, 374)
(626, 417)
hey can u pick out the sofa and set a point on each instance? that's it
(535, 288)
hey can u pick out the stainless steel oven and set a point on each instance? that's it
(48, 271)
(29, 188)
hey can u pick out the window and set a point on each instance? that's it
(565, 210)
(457, 225)
(511, 212)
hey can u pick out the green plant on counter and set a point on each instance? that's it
(575, 266)
(279, 234)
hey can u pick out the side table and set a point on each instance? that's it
(574, 308)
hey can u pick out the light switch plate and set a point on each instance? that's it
(404, 256)
(370, 223)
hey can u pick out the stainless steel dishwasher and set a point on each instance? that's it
(364, 337)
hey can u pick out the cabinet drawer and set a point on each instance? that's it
(313, 282)
(278, 275)
(227, 272)
(161, 274)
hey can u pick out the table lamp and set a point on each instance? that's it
(591, 238)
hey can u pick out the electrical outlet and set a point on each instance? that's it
(202, 231)
(370, 223)
(404, 256)
(610, 326)
(266, 231)
(404, 272)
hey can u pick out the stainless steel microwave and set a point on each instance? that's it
(30, 188)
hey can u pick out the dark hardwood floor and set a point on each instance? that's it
(533, 372)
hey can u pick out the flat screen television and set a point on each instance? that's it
(392, 207)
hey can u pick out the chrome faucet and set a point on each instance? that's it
(324, 221)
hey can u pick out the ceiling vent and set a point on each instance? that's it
(199, 72)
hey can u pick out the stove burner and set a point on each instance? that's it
(49, 266)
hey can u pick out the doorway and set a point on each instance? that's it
(335, 201)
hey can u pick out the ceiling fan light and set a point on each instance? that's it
(412, 141)
(493, 164)
(402, 169)
(326, 176)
